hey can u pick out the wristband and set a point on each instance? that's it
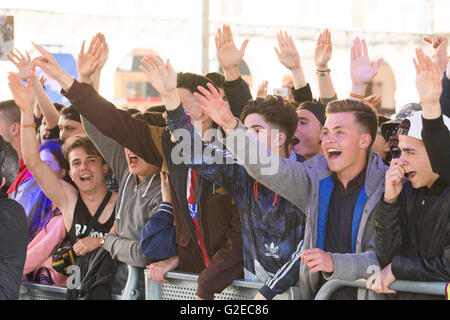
(29, 126)
(357, 96)
(323, 73)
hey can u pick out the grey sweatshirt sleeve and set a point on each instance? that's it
(287, 177)
(129, 251)
(111, 151)
(351, 267)
(126, 251)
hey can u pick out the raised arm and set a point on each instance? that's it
(279, 175)
(236, 89)
(322, 56)
(289, 57)
(361, 69)
(119, 125)
(89, 61)
(25, 72)
(228, 54)
(58, 191)
(436, 136)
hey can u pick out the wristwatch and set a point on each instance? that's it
(102, 241)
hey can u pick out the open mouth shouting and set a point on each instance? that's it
(334, 154)
(86, 178)
(410, 175)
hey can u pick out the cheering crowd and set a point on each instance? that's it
(290, 191)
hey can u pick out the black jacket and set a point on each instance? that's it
(414, 234)
(13, 247)
(436, 137)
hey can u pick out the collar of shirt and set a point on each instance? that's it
(354, 184)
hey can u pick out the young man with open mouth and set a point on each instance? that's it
(337, 191)
(412, 220)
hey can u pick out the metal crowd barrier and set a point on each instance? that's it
(432, 288)
(183, 286)
(34, 291)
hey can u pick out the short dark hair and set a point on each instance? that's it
(192, 81)
(70, 114)
(10, 111)
(9, 163)
(277, 111)
(216, 78)
(364, 114)
(160, 109)
(82, 142)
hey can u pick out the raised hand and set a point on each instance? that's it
(89, 61)
(228, 54)
(22, 64)
(324, 50)
(212, 104)
(23, 95)
(362, 71)
(373, 100)
(104, 50)
(288, 53)
(428, 78)
(49, 65)
(440, 44)
(394, 181)
(162, 77)
(46, 62)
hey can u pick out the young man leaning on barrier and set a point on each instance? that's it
(272, 228)
(337, 191)
(412, 220)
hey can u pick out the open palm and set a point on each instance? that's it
(228, 54)
(22, 64)
(287, 52)
(428, 78)
(23, 95)
(362, 71)
(162, 77)
(211, 103)
(324, 50)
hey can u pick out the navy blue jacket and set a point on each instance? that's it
(158, 235)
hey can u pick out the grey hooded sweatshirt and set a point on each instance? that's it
(301, 183)
(136, 203)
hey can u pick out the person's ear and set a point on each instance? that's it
(70, 175)
(105, 168)
(365, 141)
(14, 129)
(3, 182)
(282, 138)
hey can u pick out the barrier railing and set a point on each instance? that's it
(432, 288)
(183, 286)
(35, 291)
